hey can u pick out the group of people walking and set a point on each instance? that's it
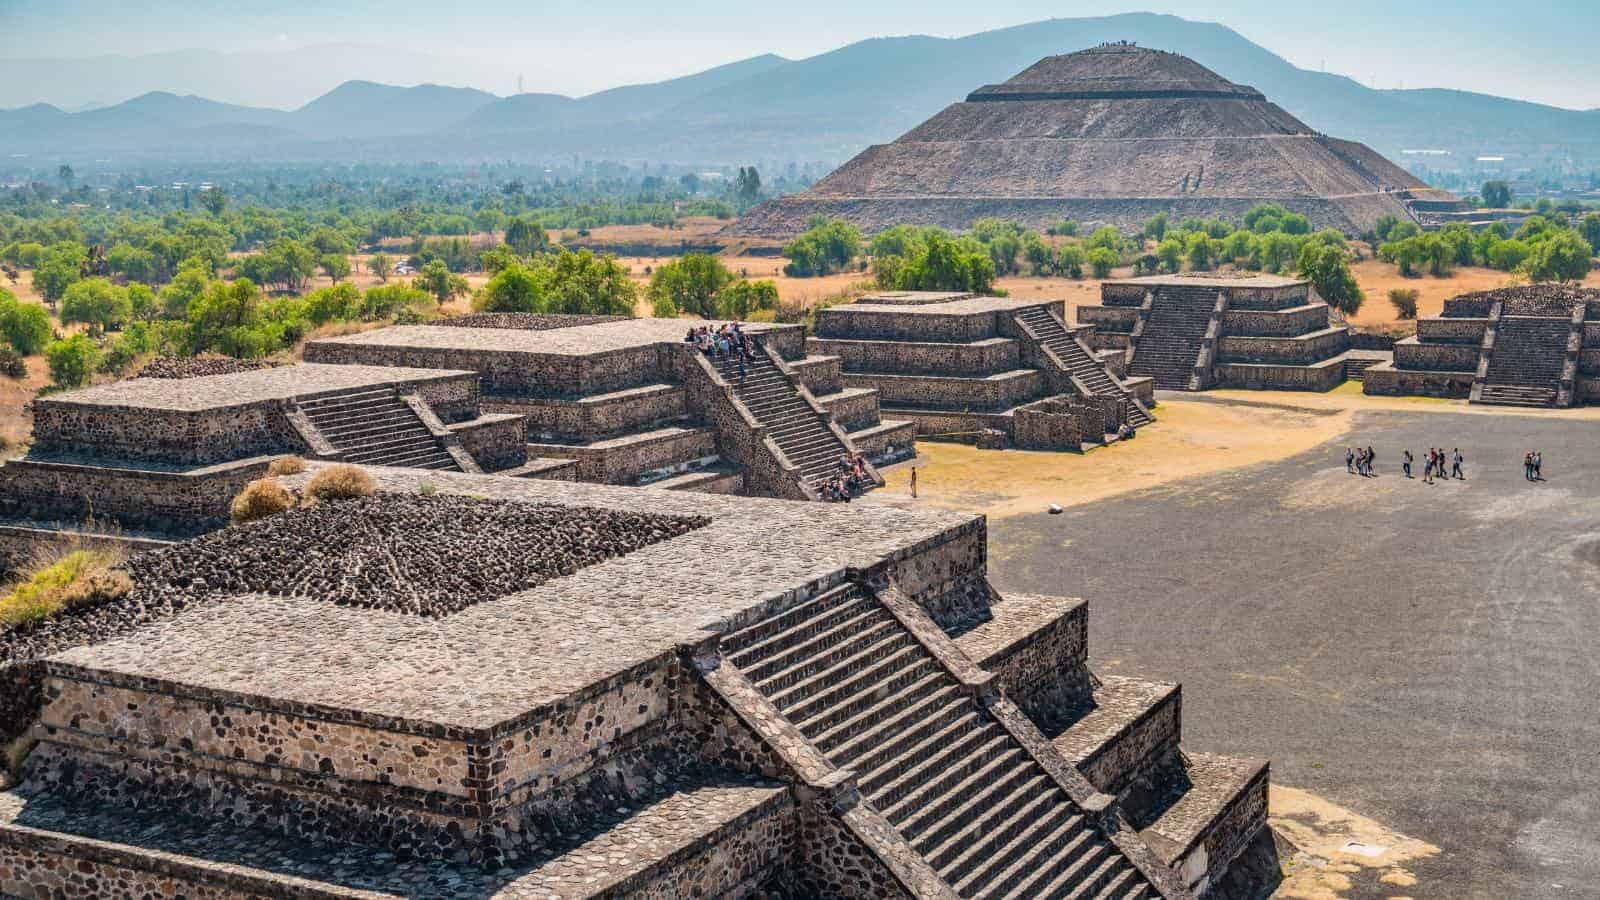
(1439, 465)
(729, 339)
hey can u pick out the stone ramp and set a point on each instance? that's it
(860, 685)
(377, 427)
(1080, 362)
(1526, 361)
(1168, 347)
(716, 834)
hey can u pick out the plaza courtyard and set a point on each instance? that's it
(1416, 660)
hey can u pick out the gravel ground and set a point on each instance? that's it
(196, 366)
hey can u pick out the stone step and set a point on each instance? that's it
(1020, 857)
(848, 677)
(1205, 811)
(801, 643)
(945, 831)
(947, 733)
(849, 737)
(823, 656)
(948, 774)
(990, 833)
(1127, 726)
(903, 733)
(758, 641)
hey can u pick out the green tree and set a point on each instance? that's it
(1327, 267)
(1563, 256)
(222, 317)
(336, 266)
(583, 283)
(1155, 228)
(339, 303)
(190, 282)
(941, 263)
(1103, 259)
(826, 246)
(747, 185)
(73, 361)
(515, 288)
(437, 279)
(1496, 194)
(142, 303)
(391, 300)
(1590, 229)
(381, 266)
(55, 275)
(26, 326)
(97, 303)
(1070, 260)
(689, 284)
(215, 200)
(526, 237)
(744, 298)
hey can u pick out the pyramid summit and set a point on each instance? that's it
(1110, 135)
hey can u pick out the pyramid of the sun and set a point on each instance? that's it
(1110, 135)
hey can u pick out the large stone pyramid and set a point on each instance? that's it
(1114, 134)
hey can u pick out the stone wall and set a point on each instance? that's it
(40, 865)
(1051, 424)
(1039, 658)
(1412, 354)
(168, 502)
(1457, 330)
(1109, 319)
(1303, 350)
(1268, 298)
(510, 372)
(593, 418)
(920, 357)
(1266, 323)
(1323, 376)
(934, 391)
(856, 323)
(179, 438)
(494, 442)
(740, 439)
(1387, 381)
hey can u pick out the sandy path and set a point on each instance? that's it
(1193, 435)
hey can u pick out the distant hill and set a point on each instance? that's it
(771, 110)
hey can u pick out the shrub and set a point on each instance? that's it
(72, 361)
(427, 489)
(78, 579)
(286, 465)
(260, 498)
(1404, 301)
(340, 483)
(26, 327)
(12, 365)
(1102, 260)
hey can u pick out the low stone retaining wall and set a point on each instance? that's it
(593, 418)
(1112, 319)
(1267, 298)
(979, 357)
(170, 502)
(1305, 349)
(624, 460)
(1385, 380)
(992, 393)
(1412, 354)
(883, 325)
(1451, 331)
(495, 442)
(509, 372)
(1265, 323)
(820, 374)
(1323, 376)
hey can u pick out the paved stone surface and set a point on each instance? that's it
(963, 306)
(243, 388)
(579, 341)
(1422, 654)
(499, 659)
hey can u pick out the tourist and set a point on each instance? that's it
(1427, 470)
(1350, 460)
(913, 482)
(1372, 457)
(1455, 464)
(1527, 466)
(1538, 466)
(1405, 462)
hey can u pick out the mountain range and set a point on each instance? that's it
(773, 110)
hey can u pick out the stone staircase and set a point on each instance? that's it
(377, 427)
(961, 790)
(774, 398)
(1080, 362)
(1526, 361)
(1168, 348)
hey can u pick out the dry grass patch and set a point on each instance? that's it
(260, 498)
(286, 465)
(51, 586)
(340, 483)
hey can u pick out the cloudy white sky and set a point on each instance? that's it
(1542, 50)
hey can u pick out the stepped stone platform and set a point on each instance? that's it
(1530, 346)
(963, 367)
(1194, 332)
(631, 403)
(169, 454)
(805, 699)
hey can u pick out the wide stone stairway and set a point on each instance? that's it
(977, 805)
(1525, 362)
(793, 424)
(1168, 348)
(1083, 366)
(377, 427)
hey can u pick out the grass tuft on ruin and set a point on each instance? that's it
(260, 498)
(340, 483)
(77, 579)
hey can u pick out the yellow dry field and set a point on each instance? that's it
(1213, 432)
(1377, 278)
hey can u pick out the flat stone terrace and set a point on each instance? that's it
(581, 340)
(216, 392)
(481, 670)
(934, 304)
(1248, 281)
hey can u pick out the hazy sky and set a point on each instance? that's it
(1543, 50)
